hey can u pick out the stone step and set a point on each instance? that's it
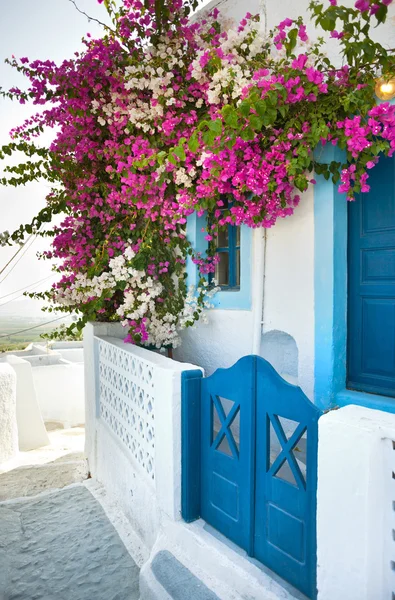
(166, 578)
(31, 480)
(192, 561)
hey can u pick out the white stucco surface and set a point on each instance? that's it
(58, 380)
(234, 9)
(60, 392)
(8, 423)
(226, 338)
(355, 515)
(31, 429)
(289, 285)
(277, 11)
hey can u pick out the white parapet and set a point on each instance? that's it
(355, 505)
(133, 427)
(31, 429)
(8, 423)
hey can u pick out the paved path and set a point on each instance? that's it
(61, 546)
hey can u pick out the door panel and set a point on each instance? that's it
(286, 473)
(227, 451)
(258, 468)
(371, 284)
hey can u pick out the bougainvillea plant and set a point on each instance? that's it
(167, 115)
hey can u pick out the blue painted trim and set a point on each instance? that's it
(330, 284)
(195, 236)
(190, 444)
(330, 289)
(346, 397)
(239, 298)
(225, 299)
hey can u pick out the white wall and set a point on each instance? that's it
(8, 423)
(277, 11)
(289, 285)
(220, 343)
(57, 377)
(31, 430)
(234, 9)
(355, 510)
(60, 392)
(146, 497)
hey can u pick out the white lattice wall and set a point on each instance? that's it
(126, 401)
(133, 427)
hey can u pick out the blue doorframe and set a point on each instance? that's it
(330, 291)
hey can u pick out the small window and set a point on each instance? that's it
(227, 246)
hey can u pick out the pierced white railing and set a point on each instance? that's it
(126, 401)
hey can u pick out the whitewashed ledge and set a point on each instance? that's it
(8, 422)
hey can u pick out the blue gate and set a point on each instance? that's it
(250, 465)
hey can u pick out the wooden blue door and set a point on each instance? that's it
(371, 284)
(227, 459)
(286, 479)
(254, 462)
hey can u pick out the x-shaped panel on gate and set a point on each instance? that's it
(225, 422)
(287, 446)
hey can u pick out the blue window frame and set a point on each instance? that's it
(227, 246)
(228, 298)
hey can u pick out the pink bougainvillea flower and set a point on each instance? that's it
(362, 5)
(302, 33)
(336, 34)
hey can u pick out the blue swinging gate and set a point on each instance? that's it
(249, 463)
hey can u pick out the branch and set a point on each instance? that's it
(92, 18)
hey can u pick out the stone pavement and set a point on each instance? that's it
(61, 546)
(51, 467)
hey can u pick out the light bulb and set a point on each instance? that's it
(385, 88)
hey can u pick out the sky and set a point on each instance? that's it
(43, 29)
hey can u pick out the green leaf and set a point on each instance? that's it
(260, 107)
(327, 23)
(255, 122)
(232, 120)
(161, 157)
(381, 14)
(248, 134)
(193, 143)
(215, 127)
(270, 117)
(245, 108)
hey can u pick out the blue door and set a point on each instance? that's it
(254, 463)
(227, 460)
(371, 284)
(286, 479)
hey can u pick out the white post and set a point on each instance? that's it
(168, 441)
(355, 504)
(90, 330)
(8, 424)
(259, 239)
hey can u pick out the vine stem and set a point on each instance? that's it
(91, 18)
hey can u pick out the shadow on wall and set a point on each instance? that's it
(280, 349)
